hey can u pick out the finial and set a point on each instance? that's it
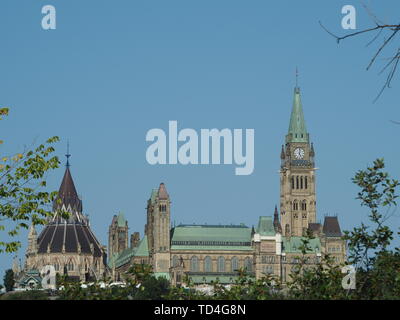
(297, 77)
(67, 155)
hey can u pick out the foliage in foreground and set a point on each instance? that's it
(377, 266)
(9, 280)
(22, 198)
(369, 251)
(26, 295)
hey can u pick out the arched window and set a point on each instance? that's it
(295, 205)
(305, 182)
(234, 264)
(297, 182)
(70, 265)
(175, 261)
(292, 182)
(221, 264)
(207, 264)
(248, 264)
(194, 264)
(301, 182)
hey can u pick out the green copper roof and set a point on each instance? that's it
(121, 220)
(293, 244)
(211, 237)
(142, 249)
(266, 226)
(153, 196)
(125, 256)
(212, 233)
(297, 127)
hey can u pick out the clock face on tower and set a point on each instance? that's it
(299, 153)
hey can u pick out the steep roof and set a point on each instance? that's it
(142, 250)
(67, 194)
(315, 227)
(331, 227)
(72, 234)
(265, 226)
(125, 256)
(153, 195)
(162, 192)
(70, 237)
(297, 127)
(121, 220)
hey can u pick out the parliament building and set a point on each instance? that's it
(207, 253)
(204, 253)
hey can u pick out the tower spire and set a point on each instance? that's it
(68, 155)
(297, 128)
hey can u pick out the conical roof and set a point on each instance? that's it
(72, 235)
(121, 220)
(67, 194)
(162, 192)
(297, 127)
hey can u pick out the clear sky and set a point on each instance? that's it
(112, 70)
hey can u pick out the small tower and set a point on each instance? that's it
(135, 238)
(277, 224)
(32, 241)
(117, 235)
(158, 229)
(16, 268)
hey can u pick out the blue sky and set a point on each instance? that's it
(112, 70)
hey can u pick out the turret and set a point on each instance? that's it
(277, 224)
(32, 241)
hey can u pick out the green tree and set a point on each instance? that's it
(26, 295)
(140, 284)
(320, 281)
(246, 287)
(378, 275)
(9, 280)
(22, 198)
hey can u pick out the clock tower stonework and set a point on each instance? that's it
(297, 175)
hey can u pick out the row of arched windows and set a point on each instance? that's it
(299, 182)
(163, 208)
(69, 266)
(303, 205)
(221, 264)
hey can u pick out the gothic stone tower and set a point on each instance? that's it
(158, 229)
(297, 175)
(117, 235)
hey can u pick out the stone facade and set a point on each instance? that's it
(68, 244)
(206, 253)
